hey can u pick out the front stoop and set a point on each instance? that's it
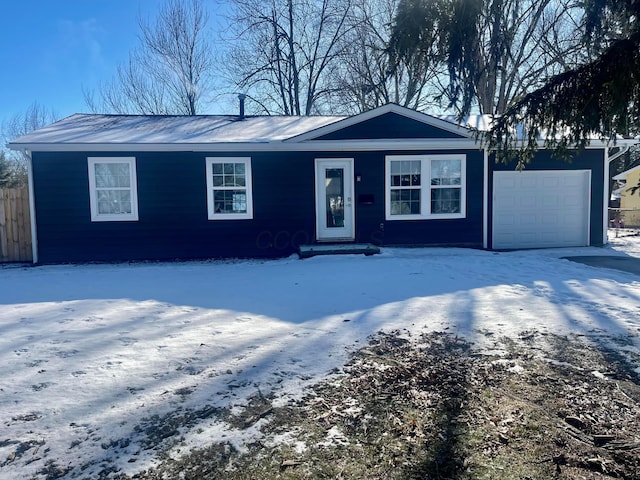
(306, 251)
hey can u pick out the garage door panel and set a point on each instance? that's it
(572, 181)
(506, 199)
(506, 220)
(572, 201)
(541, 209)
(506, 182)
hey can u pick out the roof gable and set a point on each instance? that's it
(390, 122)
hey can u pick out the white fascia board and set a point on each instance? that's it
(310, 146)
(275, 146)
(593, 144)
(376, 112)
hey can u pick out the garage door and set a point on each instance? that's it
(536, 209)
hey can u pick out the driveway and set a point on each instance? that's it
(626, 264)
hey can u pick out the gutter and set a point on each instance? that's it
(280, 146)
(266, 146)
(32, 207)
(624, 149)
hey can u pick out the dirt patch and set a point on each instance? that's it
(541, 406)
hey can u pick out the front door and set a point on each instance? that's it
(334, 199)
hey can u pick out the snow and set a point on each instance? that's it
(88, 129)
(334, 437)
(97, 362)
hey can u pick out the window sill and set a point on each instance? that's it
(114, 218)
(446, 216)
(223, 217)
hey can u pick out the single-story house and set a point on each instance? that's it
(127, 187)
(629, 209)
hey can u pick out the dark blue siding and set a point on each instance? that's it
(591, 159)
(172, 208)
(371, 225)
(390, 125)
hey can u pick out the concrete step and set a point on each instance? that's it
(306, 251)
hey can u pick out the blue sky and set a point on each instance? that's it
(51, 49)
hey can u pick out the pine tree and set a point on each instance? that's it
(599, 98)
(595, 94)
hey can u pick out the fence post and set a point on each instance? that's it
(26, 252)
(4, 252)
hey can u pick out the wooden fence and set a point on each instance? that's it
(15, 225)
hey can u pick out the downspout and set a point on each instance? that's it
(32, 207)
(619, 153)
(607, 168)
(485, 210)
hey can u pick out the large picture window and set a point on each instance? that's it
(425, 186)
(229, 195)
(113, 189)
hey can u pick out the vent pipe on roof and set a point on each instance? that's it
(241, 97)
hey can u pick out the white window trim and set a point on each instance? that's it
(248, 187)
(425, 187)
(93, 198)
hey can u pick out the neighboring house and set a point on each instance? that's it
(629, 201)
(119, 187)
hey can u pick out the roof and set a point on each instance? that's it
(95, 132)
(623, 175)
(166, 129)
(617, 193)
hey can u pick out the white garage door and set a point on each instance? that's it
(535, 209)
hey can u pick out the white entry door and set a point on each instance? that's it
(534, 209)
(335, 219)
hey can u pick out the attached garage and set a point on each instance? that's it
(539, 209)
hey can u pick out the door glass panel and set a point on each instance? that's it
(334, 191)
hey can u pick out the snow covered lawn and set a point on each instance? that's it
(96, 360)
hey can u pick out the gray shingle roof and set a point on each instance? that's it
(153, 129)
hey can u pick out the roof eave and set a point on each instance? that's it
(275, 146)
(594, 143)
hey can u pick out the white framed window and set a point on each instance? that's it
(229, 192)
(419, 187)
(113, 195)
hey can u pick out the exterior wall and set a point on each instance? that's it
(389, 125)
(630, 202)
(590, 159)
(372, 227)
(172, 208)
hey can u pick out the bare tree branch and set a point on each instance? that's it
(34, 117)
(283, 51)
(170, 72)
